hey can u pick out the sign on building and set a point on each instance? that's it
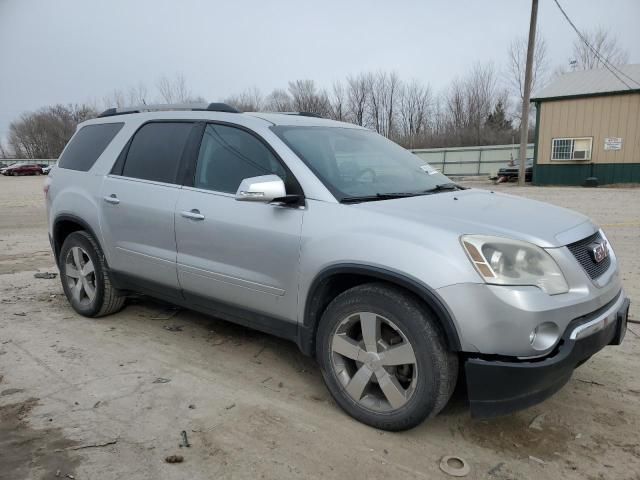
(613, 143)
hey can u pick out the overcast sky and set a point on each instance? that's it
(69, 51)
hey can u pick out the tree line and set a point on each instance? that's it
(479, 108)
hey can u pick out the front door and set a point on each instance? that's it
(233, 253)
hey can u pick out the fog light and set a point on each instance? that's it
(544, 336)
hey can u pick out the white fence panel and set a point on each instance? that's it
(471, 161)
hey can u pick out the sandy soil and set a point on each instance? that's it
(108, 398)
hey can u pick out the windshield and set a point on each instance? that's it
(354, 163)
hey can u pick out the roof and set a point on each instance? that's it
(588, 83)
(213, 111)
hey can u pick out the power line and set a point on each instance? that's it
(612, 68)
(604, 61)
(584, 40)
(627, 76)
(623, 74)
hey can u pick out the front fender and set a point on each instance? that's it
(339, 239)
(424, 292)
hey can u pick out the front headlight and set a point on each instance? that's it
(502, 261)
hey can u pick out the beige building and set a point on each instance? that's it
(588, 125)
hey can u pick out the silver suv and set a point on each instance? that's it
(395, 279)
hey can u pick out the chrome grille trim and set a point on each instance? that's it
(580, 251)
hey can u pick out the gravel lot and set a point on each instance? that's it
(108, 398)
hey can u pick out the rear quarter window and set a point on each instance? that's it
(87, 145)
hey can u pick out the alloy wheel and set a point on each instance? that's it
(374, 361)
(80, 276)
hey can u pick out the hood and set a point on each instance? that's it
(475, 211)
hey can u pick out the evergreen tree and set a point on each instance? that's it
(497, 120)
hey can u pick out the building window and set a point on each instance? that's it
(571, 148)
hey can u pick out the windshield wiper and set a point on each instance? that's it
(387, 196)
(378, 196)
(443, 187)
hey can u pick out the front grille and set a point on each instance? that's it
(580, 250)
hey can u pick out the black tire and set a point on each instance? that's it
(436, 367)
(106, 299)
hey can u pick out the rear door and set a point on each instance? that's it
(239, 254)
(138, 203)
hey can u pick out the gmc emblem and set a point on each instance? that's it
(598, 251)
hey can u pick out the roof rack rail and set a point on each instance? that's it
(301, 114)
(221, 107)
(310, 114)
(196, 107)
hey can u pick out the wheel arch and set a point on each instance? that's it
(335, 279)
(63, 226)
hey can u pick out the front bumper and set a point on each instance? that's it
(498, 387)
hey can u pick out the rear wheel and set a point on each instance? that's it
(85, 278)
(383, 358)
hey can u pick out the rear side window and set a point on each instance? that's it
(87, 145)
(155, 151)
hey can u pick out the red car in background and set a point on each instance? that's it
(22, 169)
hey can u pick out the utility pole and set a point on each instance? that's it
(524, 122)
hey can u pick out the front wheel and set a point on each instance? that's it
(85, 278)
(383, 357)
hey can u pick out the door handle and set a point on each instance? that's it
(193, 214)
(112, 199)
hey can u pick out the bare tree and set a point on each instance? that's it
(338, 102)
(456, 108)
(174, 90)
(114, 99)
(517, 62)
(3, 151)
(471, 111)
(43, 134)
(383, 96)
(138, 95)
(603, 42)
(358, 97)
(307, 98)
(251, 100)
(413, 109)
(438, 125)
(278, 101)
(467, 105)
(480, 97)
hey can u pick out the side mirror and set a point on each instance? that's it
(265, 188)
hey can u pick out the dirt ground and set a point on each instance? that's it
(109, 398)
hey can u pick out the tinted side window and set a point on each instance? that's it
(155, 151)
(229, 155)
(87, 145)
